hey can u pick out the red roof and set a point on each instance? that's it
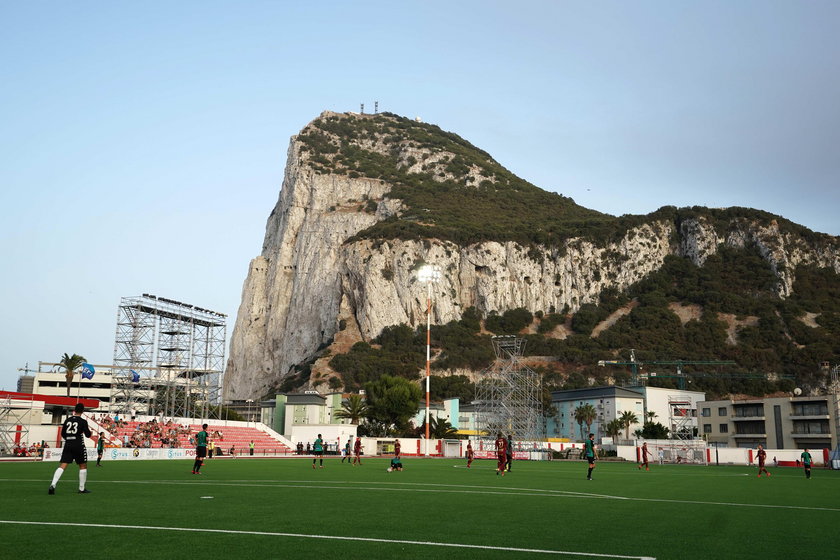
(64, 402)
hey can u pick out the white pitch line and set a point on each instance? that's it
(328, 537)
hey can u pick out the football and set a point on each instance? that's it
(389, 469)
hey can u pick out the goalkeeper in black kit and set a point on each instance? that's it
(74, 430)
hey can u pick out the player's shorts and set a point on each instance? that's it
(201, 452)
(591, 460)
(319, 452)
(74, 453)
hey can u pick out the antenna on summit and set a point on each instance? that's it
(375, 107)
(363, 109)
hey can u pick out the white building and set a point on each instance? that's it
(676, 409)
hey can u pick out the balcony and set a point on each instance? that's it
(796, 416)
(762, 435)
(742, 417)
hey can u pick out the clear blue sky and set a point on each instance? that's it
(142, 144)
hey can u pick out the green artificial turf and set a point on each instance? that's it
(673, 511)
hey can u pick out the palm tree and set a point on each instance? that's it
(613, 428)
(585, 414)
(440, 428)
(650, 415)
(70, 365)
(354, 409)
(627, 419)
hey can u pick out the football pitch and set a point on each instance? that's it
(282, 508)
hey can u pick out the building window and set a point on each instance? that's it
(722, 411)
(810, 409)
(724, 428)
(707, 412)
(749, 410)
(707, 428)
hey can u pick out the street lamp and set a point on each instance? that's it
(250, 402)
(428, 274)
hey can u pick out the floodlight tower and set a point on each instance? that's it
(835, 390)
(428, 274)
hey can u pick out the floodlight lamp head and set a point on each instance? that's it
(428, 273)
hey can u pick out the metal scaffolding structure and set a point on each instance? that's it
(508, 395)
(169, 358)
(12, 430)
(680, 420)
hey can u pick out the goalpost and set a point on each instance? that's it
(692, 452)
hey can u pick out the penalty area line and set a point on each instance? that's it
(326, 537)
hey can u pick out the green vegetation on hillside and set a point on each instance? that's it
(460, 194)
(457, 192)
(733, 285)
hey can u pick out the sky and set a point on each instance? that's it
(142, 145)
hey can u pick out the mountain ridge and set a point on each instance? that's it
(367, 199)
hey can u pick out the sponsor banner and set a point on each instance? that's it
(127, 454)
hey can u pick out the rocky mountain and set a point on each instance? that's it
(368, 199)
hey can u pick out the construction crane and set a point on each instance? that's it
(681, 377)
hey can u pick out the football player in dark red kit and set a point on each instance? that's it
(501, 453)
(470, 454)
(762, 457)
(357, 451)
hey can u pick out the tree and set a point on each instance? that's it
(70, 365)
(650, 415)
(439, 428)
(392, 400)
(585, 414)
(654, 431)
(627, 419)
(452, 386)
(613, 428)
(353, 409)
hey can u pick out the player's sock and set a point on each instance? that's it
(82, 479)
(56, 476)
(589, 473)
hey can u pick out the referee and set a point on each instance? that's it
(74, 430)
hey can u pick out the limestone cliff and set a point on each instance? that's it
(324, 260)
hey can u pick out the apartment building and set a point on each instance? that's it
(777, 422)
